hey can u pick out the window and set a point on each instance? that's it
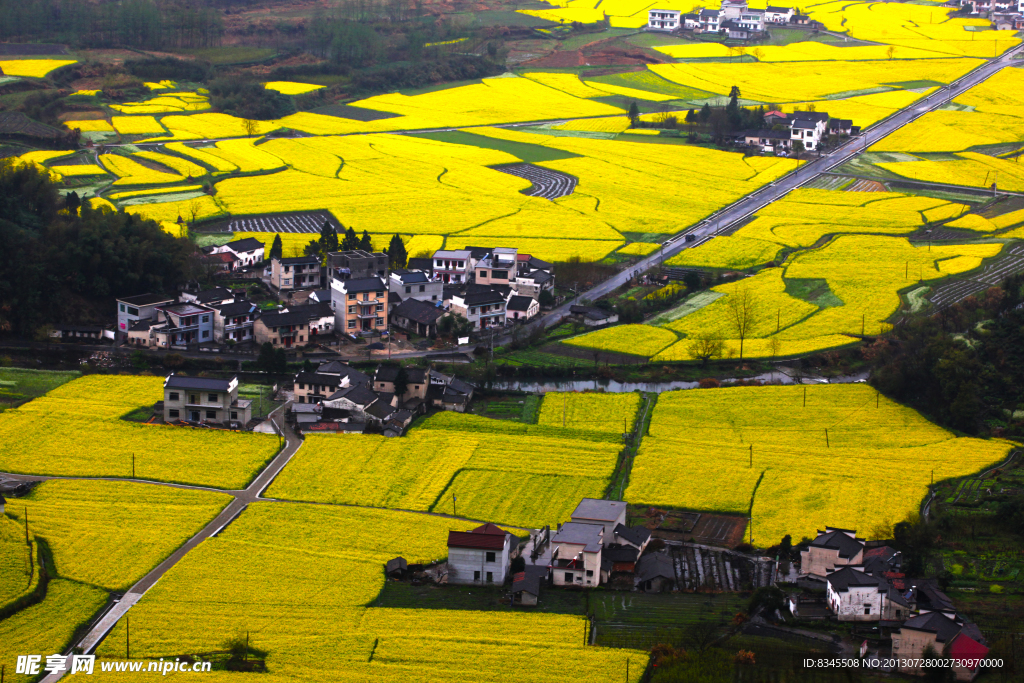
(351, 310)
(302, 385)
(286, 269)
(433, 298)
(234, 414)
(380, 307)
(193, 398)
(300, 337)
(206, 318)
(490, 577)
(590, 572)
(380, 322)
(213, 398)
(568, 577)
(133, 311)
(483, 273)
(490, 557)
(408, 290)
(173, 396)
(122, 308)
(867, 609)
(173, 412)
(476, 576)
(472, 310)
(417, 387)
(380, 294)
(211, 414)
(351, 324)
(206, 334)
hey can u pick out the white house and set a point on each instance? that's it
(742, 16)
(607, 514)
(854, 595)
(778, 15)
(249, 251)
(808, 127)
(415, 284)
(663, 19)
(691, 21)
(521, 308)
(452, 265)
(709, 20)
(481, 555)
(480, 305)
(576, 554)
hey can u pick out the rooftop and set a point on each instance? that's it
(590, 536)
(418, 311)
(202, 383)
(519, 303)
(362, 284)
(247, 244)
(147, 299)
(486, 537)
(186, 308)
(599, 510)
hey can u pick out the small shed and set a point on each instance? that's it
(655, 573)
(396, 568)
(526, 585)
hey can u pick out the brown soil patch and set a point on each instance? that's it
(701, 527)
(600, 53)
(82, 116)
(867, 186)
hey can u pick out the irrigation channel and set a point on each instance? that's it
(781, 375)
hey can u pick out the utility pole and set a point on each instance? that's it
(751, 456)
(826, 439)
(133, 465)
(805, 396)
(27, 542)
(455, 512)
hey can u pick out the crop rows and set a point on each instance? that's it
(545, 182)
(295, 222)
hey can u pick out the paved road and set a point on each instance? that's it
(752, 203)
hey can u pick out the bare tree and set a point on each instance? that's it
(195, 207)
(774, 345)
(702, 634)
(251, 127)
(890, 52)
(704, 347)
(758, 54)
(743, 312)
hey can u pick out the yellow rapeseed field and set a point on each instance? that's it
(698, 456)
(636, 340)
(33, 68)
(970, 168)
(614, 413)
(291, 87)
(727, 252)
(131, 172)
(76, 430)
(639, 248)
(279, 574)
(91, 125)
(136, 125)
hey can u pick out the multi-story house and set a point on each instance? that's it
(576, 555)
(607, 514)
(357, 264)
(481, 555)
(854, 594)
(414, 284)
(233, 322)
(830, 549)
(498, 268)
(742, 16)
(808, 127)
(300, 272)
(663, 19)
(947, 635)
(326, 380)
(452, 266)
(480, 305)
(360, 306)
(131, 309)
(709, 20)
(202, 399)
(282, 328)
(182, 324)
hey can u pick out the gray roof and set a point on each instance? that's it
(492, 296)
(357, 394)
(418, 311)
(409, 277)
(381, 410)
(804, 124)
(215, 294)
(576, 533)
(519, 303)
(247, 244)
(285, 318)
(317, 378)
(364, 284)
(944, 628)
(386, 373)
(655, 565)
(843, 579)
(620, 553)
(202, 383)
(396, 565)
(529, 579)
(416, 375)
(600, 510)
(835, 539)
(141, 325)
(146, 299)
(636, 535)
(231, 310)
(295, 260)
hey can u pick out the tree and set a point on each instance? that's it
(277, 248)
(634, 114)
(72, 202)
(705, 113)
(798, 147)
(265, 361)
(758, 54)
(692, 281)
(702, 634)
(251, 127)
(767, 600)
(195, 207)
(397, 256)
(401, 382)
(280, 361)
(452, 326)
(350, 241)
(890, 51)
(704, 347)
(365, 243)
(546, 298)
(743, 312)
(328, 238)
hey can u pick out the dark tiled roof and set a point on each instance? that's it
(426, 264)
(843, 579)
(418, 311)
(637, 535)
(237, 308)
(783, 10)
(317, 309)
(416, 375)
(394, 298)
(519, 303)
(771, 134)
(247, 244)
(364, 284)
(804, 124)
(620, 553)
(316, 378)
(837, 540)
(201, 383)
(386, 373)
(396, 565)
(472, 539)
(811, 115)
(944, 628)
(357, 394)
(381, 410)
(599, 510)
(484, 298)
(146, 299)
(284, 319)
(655, 565)
(529, 580)
(410, 277)
(297, 260)
(141, 325)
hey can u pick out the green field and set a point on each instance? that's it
(18, 385)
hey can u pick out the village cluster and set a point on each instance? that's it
(349, 294)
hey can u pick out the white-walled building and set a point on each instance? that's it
(663, 19)
(249, 251)
(576, 555)
(830, 549)
(606, 514)
(452, 266)
(481, 555)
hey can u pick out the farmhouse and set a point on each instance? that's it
(830, 549)
(481, 555)
(946, 634)
(132, 309)
(498, 267)
(607, 514)
(282, 328)
(288, 274)
(592, 316)
(481, 305)
(248, 251)
(448, 393)
(655, 573)
(360, 306)
(663, 19)
(452, 266)
(233, 322)
(576, 554)
(526, 585)
(201, 399)
(182, 324)
(208, 297)
(80, 333)
(417, 317)
(856, 595)
(778, 15)
(772, 141)
(521, 308)
(415, 284)
(356, 264)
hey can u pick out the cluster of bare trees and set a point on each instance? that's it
(744, 312)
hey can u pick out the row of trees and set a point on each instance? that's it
(134, 23)
(329, 241)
